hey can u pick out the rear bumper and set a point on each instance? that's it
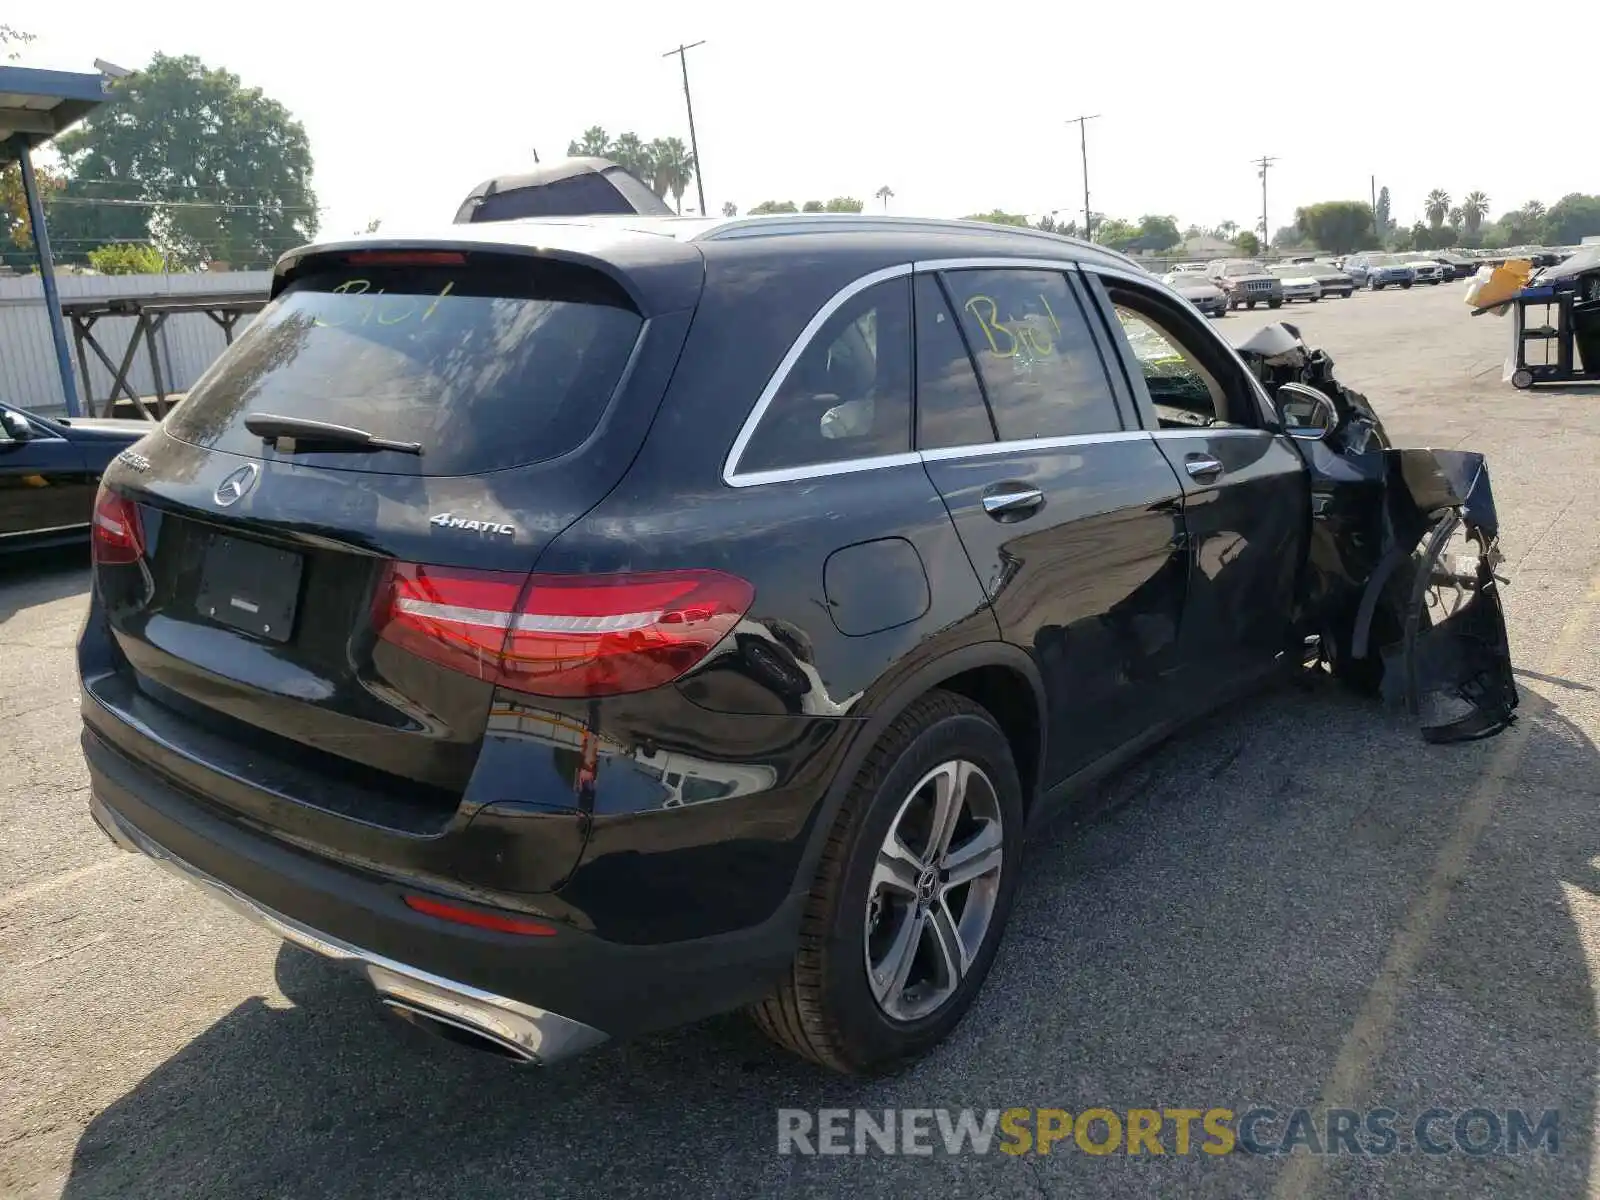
(529, 1033)
(541, 998)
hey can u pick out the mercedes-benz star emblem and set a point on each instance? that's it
(235, 485)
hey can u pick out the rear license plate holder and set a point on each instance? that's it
(249, 587)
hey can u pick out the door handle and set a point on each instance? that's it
(1202, 467)
(1012, 498)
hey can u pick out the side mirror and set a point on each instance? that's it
(14, 428)
(1307, 413)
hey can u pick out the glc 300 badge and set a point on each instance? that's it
(134, 459)
(445, 521)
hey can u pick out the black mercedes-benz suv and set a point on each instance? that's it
(585, 626)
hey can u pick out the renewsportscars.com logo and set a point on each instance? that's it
(1216, 1131)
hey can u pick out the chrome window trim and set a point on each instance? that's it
(924, 266)
(1173, 433)
(1025, 445)
(844, 466)
(733, 477)
(730, 466)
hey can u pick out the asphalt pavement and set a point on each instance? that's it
(1296, 904)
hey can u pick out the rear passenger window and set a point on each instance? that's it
(848, 395)
(950, 407)
(1039, 364)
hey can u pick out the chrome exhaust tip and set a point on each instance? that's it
(458, 1032)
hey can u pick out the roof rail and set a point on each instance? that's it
(782, 224)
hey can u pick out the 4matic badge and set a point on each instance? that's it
(445, 521)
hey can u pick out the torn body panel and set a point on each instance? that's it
(1399, 584)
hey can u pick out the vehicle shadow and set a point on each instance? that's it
(39, 576)
(1207, 936)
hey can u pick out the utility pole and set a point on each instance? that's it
(1083, 145)
(694, 146)
(1265, 161)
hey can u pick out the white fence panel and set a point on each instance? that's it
(187, 343)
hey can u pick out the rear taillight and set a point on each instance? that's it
(116, 536)
(561, 635)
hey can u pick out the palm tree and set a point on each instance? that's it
(1473, 209)
(593, 144)
(1226, 230)
(730, 209)
(671, 168)
(1437, 207)
(886, 194)
(1456, 216)
(1534, 210)
(631, 154)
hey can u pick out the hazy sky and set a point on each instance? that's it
(958, 108)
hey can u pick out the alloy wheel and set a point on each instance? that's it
(933, 892)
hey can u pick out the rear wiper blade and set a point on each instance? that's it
(290, 435)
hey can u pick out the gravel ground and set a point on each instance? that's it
(1297, 904)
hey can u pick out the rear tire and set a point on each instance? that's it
(1406, 285)
(827, 1008)
(1274, 303)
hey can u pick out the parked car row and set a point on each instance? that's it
(1215, 288)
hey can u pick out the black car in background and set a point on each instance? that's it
(582, 627)
(49, 469)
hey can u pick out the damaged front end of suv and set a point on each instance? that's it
(1400, 595)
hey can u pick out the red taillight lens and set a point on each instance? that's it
(477, 918)
(561, 635)
(116, 536)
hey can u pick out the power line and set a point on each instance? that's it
(284, 208)
(694, 146)
(1083, 145)
(1265, 161)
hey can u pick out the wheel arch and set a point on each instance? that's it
(1000, 677)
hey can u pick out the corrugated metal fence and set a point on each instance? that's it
(187, 343)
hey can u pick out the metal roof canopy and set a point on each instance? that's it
(35, 106)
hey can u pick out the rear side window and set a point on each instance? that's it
(488, 362)
(950, 406)
(1041, 369)
(848, 395)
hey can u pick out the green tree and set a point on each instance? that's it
(1248, 244)
(1406, 239)
(812, 206)
(998, 217)
(594, 143)
(730, 209)
(773, 206)
(1436, 207)
(1473, 209)
(1115, 232)
(1155, 233)
(217, 170)
(14, 205)
(1049, 224)
(1573, 218)
(885, 194)
(671, 168)
(631, 154)
(843, 204)
(1337, 226)
(128, 258)
(1382, 222)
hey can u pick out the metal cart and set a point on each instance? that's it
(1556, 324)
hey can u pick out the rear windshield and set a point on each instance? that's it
(488, 362)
